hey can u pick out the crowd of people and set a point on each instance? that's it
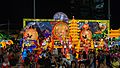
(10, 57)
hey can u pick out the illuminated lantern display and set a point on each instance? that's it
(6, 42)
(86, 26)
(86, 37)
(60, 31)
(86, 34)
(71, 36)
(9, 42)
(30, 39)
(101, 43)
(31, 34)
(3, 44)
(60, 16)
(102, 26)
(73, 27)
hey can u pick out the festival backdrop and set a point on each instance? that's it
(98, 29)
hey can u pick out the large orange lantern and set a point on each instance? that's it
(86, 35)
(31, 34)
(60, 30)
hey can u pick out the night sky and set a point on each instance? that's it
(15, 10)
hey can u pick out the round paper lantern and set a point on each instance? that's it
(60, 30)
(86, 35)
(31, 34)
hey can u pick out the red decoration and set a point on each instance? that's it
(85, 26)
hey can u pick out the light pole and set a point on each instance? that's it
(109, 15)
(34, 9)
(8, 27)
